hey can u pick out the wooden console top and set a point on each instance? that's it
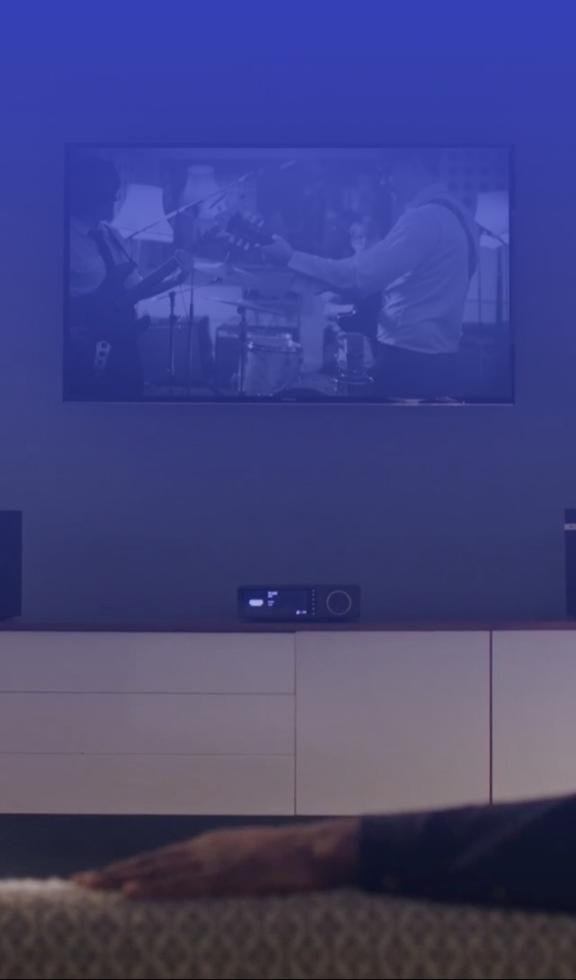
(20, 625)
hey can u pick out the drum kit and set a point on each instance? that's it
(265, 360)
(259, 354)
(258, 359)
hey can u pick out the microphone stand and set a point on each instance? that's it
(243, 337)
(171, 338)
(499, 270)
(491, 234)
(190, 328)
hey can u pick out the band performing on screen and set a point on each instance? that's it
(303, 274)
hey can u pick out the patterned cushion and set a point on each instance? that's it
(53, 930)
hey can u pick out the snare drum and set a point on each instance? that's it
(273, 363)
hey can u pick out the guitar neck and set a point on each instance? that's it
(153, 283)
(248, 231)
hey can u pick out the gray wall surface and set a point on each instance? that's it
(155, 513)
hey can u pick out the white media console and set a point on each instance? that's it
(333, 721)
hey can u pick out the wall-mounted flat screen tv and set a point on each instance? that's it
(288, 274)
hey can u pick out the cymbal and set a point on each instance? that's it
(338, 309)
(214, 273)
(256, 307)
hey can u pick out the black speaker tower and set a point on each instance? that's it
(10, 563)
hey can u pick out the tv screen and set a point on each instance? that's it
(293, 274)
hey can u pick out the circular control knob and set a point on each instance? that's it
(339, 602)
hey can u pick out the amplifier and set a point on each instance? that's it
(299, 603)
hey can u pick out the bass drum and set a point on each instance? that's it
(273, 364)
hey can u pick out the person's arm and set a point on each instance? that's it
(247, 861)
(521, 854)
(413, 238)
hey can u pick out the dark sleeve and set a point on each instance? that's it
(521, 854)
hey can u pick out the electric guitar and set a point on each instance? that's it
(107, 317)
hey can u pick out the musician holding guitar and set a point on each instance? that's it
(102, 355)
(423, 268)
